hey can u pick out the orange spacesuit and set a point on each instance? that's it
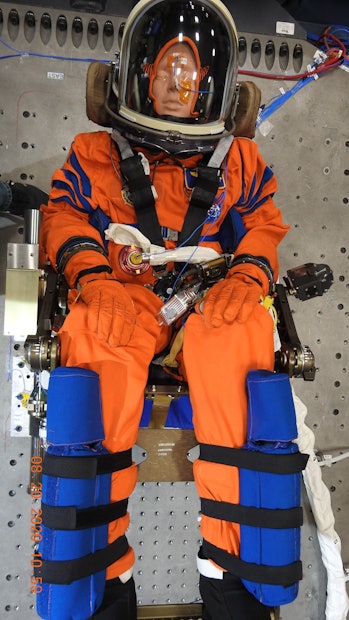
(112, 327)
(216, 359)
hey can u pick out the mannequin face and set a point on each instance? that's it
(174, 84)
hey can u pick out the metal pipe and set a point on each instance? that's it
(32, 218)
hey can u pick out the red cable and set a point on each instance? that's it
(335, 55)
(293, 78)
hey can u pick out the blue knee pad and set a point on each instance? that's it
(275, 542)
(269, 512)
(76, 505)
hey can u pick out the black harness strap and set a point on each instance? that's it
(85, 466)
(256, 461)
(142, 193)
(260, 573)
(72, 518)
(64, 572)
(140, 188)
(204, 193)
(274, 518)
(201, 200)
(142, 198)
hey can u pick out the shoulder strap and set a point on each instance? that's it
(141, 189)
(143, 193)
(204, 193)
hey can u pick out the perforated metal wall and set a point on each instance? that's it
(306, 142)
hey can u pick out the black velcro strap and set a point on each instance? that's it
(91, 270)
(206, 187)
(64, 572)
(256, 461)
(85, 466)
(72, 246)
(274, 518)
(142, 198)
(72, 518)
(201, 201)
(284, 575)
(138, 182)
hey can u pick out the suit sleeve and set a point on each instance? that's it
(262, 219)
(67, 238)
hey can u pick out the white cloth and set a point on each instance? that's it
(155, 254)
(337, 602)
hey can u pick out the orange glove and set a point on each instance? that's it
(235, 297)
(111, 312)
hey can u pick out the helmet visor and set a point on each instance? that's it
(178, 64)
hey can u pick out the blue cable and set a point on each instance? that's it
(210, 217)
(50, 56)
(10, 56)
(275, 104)
(269, 109)
(188, 260)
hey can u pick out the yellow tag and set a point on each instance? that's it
(268, 303)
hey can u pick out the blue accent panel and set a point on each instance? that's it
(70, 176)
(267, 175)
(252, 202)
(180, 414)
(242, 197)
(75, 391)
(190, 178)
(214, 237)
(271, 429)
(100, 221)
(85, 181)
(258, 204)
(231, 231)
(146, 413)
(81, 598)
(256, 201)
(251, 193)
(69, 201)
(269, 546)
(73, 407)
(70, 197)
(271, 414)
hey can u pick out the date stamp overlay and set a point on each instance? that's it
(36, 522)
